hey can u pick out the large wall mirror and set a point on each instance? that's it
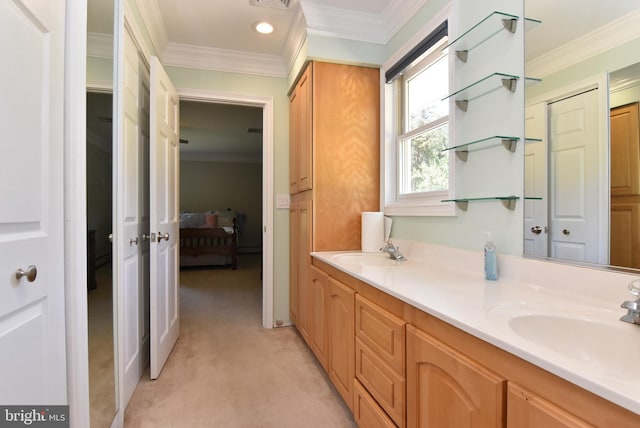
(582, 155)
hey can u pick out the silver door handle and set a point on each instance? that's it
(565, 231)
(110, 237)
(145, 236)
(133, 241)
(161, 236)
(537, 230)
(30, 273)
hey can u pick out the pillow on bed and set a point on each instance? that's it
(211, 220)
(225, 217)
(192, 220)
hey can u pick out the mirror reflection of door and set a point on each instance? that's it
(102, 388)
(536, 226)
(562, 168)
(625, 167)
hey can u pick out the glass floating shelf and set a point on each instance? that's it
(509, 202)
(482, 87)
(532, 140)
(532, 198)
(481, 32)
(531, 23)
(529, 81)
(462, 150)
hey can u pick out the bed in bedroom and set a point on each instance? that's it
(209, 238)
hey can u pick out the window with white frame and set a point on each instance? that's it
(420, 130)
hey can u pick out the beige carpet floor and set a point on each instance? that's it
(226, 371)
(102, 390)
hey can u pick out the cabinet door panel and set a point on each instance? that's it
(294, 256)
(319, 289)
(342, 339)
(527, 410)
(305, 138)
(304, 264)
(294, 140)
(366, 411)
(447, 389)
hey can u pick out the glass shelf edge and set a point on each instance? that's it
(499, 75)
(463, 35)
(494, 137)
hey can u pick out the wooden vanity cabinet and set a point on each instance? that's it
(300, 134)
(380, 357)
(448, 389)
(451, 378)
(528, 410)
(341, 339)
(334, 170)
(318, 305)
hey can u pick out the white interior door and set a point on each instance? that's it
(164, 173)
(574, 177)
(128, 269)
(535, 170)
(32, 312)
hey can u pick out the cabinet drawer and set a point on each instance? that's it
(382, 332)
(382, 382)
(366, 411)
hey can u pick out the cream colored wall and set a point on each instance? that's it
(206, 186)
(257, 86)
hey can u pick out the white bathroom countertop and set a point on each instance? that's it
(449, 284)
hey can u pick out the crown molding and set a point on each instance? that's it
(344, 24)
(360, 26)
(295, 38)
(605, 38)
(150, 13)
(100, 45)
(397, 13)
(189, 56)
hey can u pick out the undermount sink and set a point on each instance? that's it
(583, 334)
(365, 259)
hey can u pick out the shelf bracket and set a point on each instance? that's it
(463, 155)
(510, 144)
(462, 104)
(510, 84)
(509, 204)
(510, 24)
(462, 205)
(462, 55)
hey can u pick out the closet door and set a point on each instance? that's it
(164, 176)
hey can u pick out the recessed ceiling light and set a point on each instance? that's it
(264, 28)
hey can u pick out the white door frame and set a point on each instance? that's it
(267, 104)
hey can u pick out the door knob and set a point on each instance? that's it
(110, 237)
(133, 241)
(145, 236)
(30, 273)
(537, 230)
(565, 232)
(161, 236)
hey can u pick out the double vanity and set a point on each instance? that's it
(434, 342)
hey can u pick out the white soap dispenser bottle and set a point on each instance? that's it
(490, 259)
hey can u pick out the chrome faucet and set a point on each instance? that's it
(632, 307)
(393, 251)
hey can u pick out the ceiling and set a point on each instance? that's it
(219, 35)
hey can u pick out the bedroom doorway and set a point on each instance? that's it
(226, 154)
